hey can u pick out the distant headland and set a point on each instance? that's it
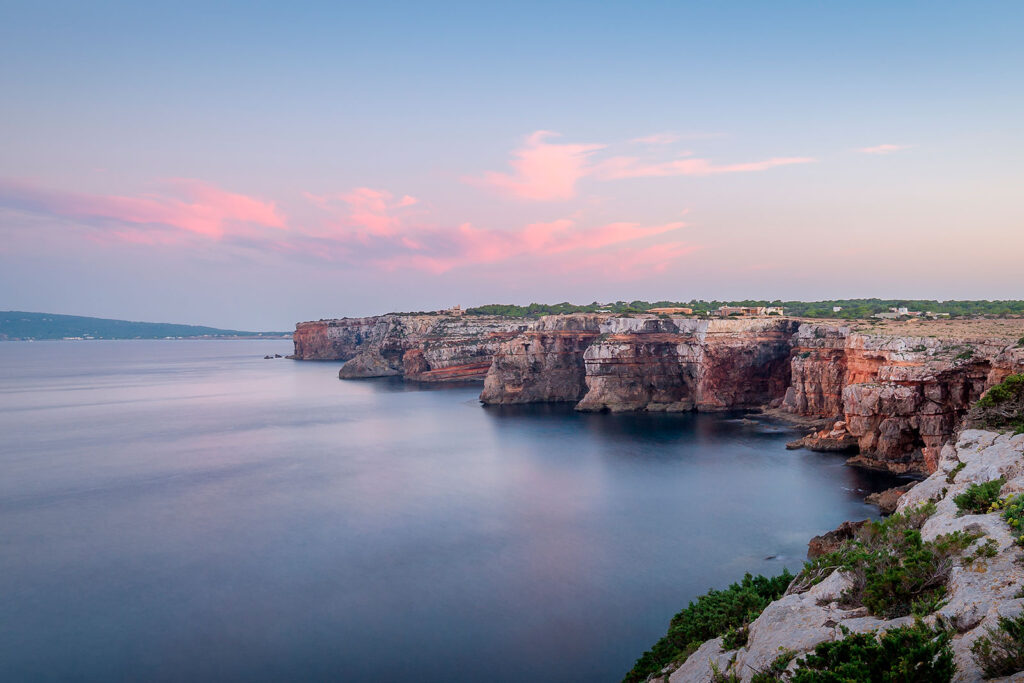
(26, 326)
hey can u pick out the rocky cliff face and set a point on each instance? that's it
(901, 398)
(896, 399)
(428, 348)
(686, 364)
(543, 364)
(338, 339)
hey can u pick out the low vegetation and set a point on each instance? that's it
(1013, 512)
(978, 498)
(849, 309)
(716, 613)
(1001, 408)
(908, 654)
(1001, 651)
(894, 571)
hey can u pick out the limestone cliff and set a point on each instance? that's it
(900, 397)
(543, 364)
(337, 339)
(685, 364)
(983, 583)
(428, 348)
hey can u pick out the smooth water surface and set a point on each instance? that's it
(186, 510)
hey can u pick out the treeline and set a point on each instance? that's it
(850, 308)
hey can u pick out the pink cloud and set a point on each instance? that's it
(541, 171)
(882, 149)
(545, 171)
(363, 227)
(364, 211)
(630, 167)
(562, 240)
(188, 205)
(658, 139)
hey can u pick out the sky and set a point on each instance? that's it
(250, 165)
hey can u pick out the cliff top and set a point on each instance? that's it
(1011, 329)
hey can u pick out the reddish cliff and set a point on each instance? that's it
(901, 398)
(895, 399)
(428, 348)
(337, 339)
(543, 364)
(679, 364)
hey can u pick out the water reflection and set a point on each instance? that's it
(189, 510)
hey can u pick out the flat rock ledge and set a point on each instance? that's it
(978, 594)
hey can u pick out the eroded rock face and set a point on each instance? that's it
(685, 364)
(338, 339)
(429, 348)
(543, 364)
(901, 398)
(432, 348)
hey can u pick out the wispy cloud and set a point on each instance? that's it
(365, 211)
(541, 170)
(883, 149)
(438, 249)
(631, 167)
(186, 205)
(546, 171)
(658, 139)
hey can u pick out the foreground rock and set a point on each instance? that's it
(888, 500)
(981, 586)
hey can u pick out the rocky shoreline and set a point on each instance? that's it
(890, 401)
(984, 581)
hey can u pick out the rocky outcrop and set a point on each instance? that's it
(427, 348)
(888, 500)
(830, 541)
(543, 364)
(645, 363)
(338, 339)
(981, 587)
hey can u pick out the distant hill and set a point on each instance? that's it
(16, 325)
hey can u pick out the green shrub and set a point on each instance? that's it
(951, 477)
(978, 498)
(1001, 651)
(987, 550)
(713, 614)
(775, 671)
(1007, 390)
(1020, 342)
(735, 638)
(894, 571)
(965, 355)
(1001, 408)
(909, 654)
(1013, 513)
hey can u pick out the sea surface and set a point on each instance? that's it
(189, 511)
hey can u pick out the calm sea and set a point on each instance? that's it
(186, 510)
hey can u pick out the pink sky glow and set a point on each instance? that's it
(375, 228)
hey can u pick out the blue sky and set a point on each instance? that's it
(252, 164)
